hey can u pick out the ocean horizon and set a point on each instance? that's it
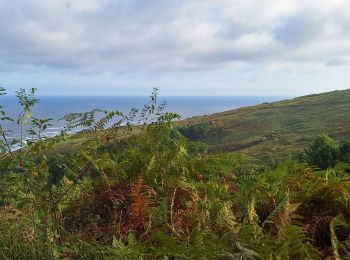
(56, 107)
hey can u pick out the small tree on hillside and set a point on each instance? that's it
(323, 152)
(345, 152)
(195, 132)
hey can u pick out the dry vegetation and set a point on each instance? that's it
(158, 195)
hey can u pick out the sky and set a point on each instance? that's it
(184, 47)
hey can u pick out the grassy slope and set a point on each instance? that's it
(280, 127)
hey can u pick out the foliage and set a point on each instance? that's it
(278, 128)
(196, 131)
(344, 152)
(323, 152)
(136, 189)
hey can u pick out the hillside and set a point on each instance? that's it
(280, 127)
(155, 195)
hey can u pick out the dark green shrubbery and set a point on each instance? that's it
(344, 152)
(325, 152)
(195, 132)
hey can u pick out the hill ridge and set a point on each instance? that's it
(282, 126)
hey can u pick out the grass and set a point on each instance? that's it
(281, 127)
(268, 129)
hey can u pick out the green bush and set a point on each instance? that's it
(195, 132)
(345, 152)
(323, 152)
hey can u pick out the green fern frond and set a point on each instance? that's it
(252, 216)
(281, 215)
(129, 249)
(296, 245)
(226, 219)
(337, 222)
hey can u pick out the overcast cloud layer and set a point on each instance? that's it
(188, 47)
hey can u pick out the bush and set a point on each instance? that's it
(345, 152)
(323, 152)
(195, 132)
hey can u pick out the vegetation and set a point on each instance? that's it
(280, 128)
(145, 191)
(325, 152)
(195, 131)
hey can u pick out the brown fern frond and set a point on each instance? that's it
(280, 216)
(318, 230)
(138, 211)
(8, 213)
(178, 198)
(266, 207)
(182, 222)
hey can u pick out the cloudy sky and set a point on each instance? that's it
(185, 47)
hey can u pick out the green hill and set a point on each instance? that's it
(280, 127)
(152, 194)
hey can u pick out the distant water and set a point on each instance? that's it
(57, 107)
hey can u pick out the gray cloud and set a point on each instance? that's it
(133, 35)
(298, 30)
(336, 62)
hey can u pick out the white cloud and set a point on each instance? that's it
(259, 13)
(135, 36)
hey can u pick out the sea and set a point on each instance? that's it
(186, 106)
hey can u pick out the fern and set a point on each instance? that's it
(252, 216)
(226, 219)
(318, 230)
(141, 204)
(337, 223)
(281, 215)
(245, 253)
(296, 245)
(129, 249)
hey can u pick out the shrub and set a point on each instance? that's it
(323, 152)
(195, 132)
(345, 152)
